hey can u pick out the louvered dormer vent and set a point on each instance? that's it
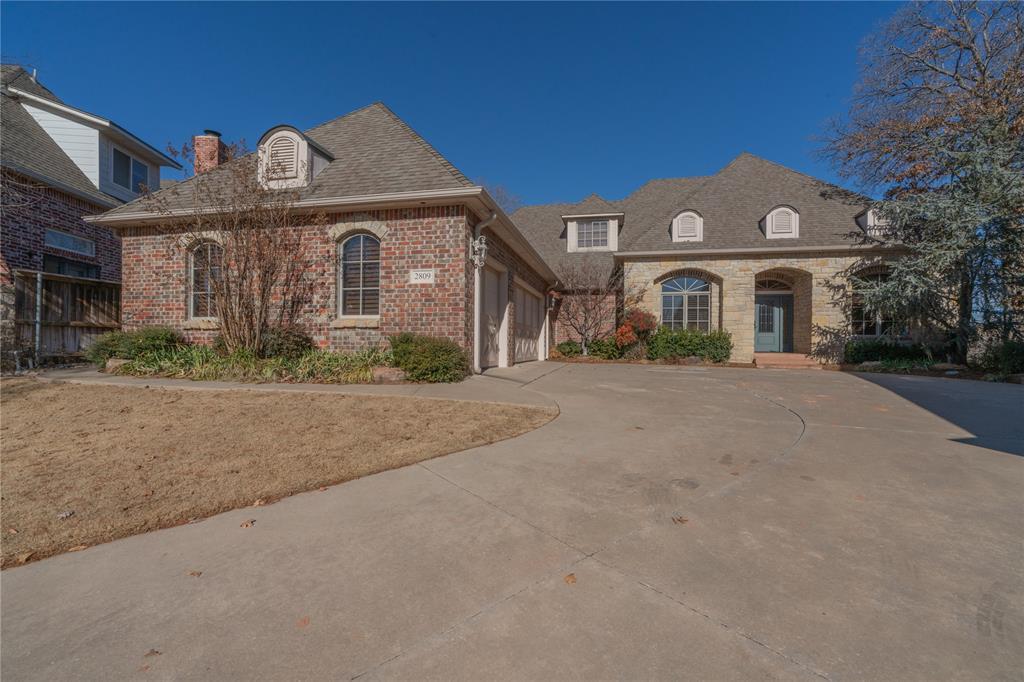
(284, 162)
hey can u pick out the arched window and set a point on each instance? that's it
(781, 223)
(686, 304)
(204, 269)
(867, 322)
(770, 284)
(688, 226)
(359, 275)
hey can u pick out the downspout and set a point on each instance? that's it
(479, 255)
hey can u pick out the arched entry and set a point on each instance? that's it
(782, 322)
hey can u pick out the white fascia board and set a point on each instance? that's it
(99, 122)
(593, 215)
(681, 253)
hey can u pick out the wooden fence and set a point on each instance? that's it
(56, 315)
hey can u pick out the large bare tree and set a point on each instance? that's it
(257, 266)
(936, 128)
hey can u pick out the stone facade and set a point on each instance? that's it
(29, 209)
(818, 282)
(155, 285)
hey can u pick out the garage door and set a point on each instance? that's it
(529, 324)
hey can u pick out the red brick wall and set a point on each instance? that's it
(29, 209)
(156, 267)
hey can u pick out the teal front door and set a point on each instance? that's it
(773, 323)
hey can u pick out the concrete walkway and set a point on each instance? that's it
(670, 523)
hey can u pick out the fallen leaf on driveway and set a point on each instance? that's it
(322, 488)
(302, 622)
(143, 668)
(151, 653)
(570, 579)
(78, 548)
(22, 558)
(259, 503)
(249, 524)
(195, 574)
(680, 519)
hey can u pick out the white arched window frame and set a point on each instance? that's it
(688, 226)
(782, 222)
(204, 265)
(359, 276)
(686, 303)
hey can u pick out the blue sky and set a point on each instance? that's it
(553, 101)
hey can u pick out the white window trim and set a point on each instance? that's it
(132, 160)
(573, 234)
(677, 221)
(769, 231)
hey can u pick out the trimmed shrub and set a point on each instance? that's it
(130, 345)
(666, 344)
(428, 359)
(203, 363)
(876, 350)
(286, 342)
(1003, 358)
(606, 349)
(569, 349)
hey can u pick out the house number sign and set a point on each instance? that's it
(421, 277)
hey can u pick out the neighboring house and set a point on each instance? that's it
(401, 252)
(757, 249)
(58, 164)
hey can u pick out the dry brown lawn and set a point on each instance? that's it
(130, 460)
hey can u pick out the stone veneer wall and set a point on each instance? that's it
(815, 308)
(28, 212)
(155, 288)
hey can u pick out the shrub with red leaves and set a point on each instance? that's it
(625, 336)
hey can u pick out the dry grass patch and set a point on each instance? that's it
(129, 460)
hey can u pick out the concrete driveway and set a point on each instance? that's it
(671, 523)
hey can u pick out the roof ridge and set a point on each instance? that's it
(438, 156)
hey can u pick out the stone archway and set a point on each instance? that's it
(797, 285)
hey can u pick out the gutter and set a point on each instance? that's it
(680, 253)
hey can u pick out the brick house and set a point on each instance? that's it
(410, 245)
(58, 164)
(756, 249)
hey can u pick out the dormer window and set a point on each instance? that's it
(872, 223)
(782, 223)
(688, 226)
(593, 232)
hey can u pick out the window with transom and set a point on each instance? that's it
(686, 304)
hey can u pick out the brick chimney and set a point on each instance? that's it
(209, 150)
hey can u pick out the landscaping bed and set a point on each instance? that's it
(85, 464)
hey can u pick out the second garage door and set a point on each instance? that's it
(529, 324)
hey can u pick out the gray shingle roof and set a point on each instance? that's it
(374, 152)
(732, 202)
(27, 148)
(593, 205)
